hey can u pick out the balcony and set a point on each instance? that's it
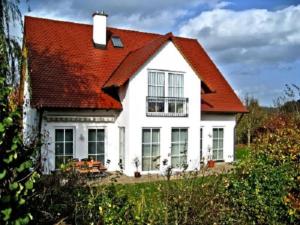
(167, 106)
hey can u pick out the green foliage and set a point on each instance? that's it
(16, 177)
(249, 122)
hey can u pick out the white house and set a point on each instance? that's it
(111, 94)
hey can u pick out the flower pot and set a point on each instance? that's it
(211, 163)
(137, 174)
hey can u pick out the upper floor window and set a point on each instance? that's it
(166, 94)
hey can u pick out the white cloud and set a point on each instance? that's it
(255, 35)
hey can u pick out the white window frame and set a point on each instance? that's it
(182, 155)
(151, 143)
(104, 143)
(64, 142)
(218, 148)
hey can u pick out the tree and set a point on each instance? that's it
(249, 122)
(16, 174)
(289, 102)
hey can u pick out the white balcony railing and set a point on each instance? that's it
(166, 106)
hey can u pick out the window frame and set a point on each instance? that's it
(64, 155)
(179, 143)
(96, 143)
(218, 148)
(151, 143)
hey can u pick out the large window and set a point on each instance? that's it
(150, 149)
(179, 147)
(63, 146)
(122, 147)
(96, 144)
(218, 135)
(166, 94)
(156, 88)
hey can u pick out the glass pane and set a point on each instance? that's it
(154, 164)
(100, 158)
(92, 147)
(221, 131)
(215, 143)
(171, 108)
(146, 164)
(146, 136)
(220, 155)
(183, 149)
(182, 160)
(221, 144)
(175, 135)
(92, 157)
(59, 148)
(161, 78)
(146, 151)
(69, 148)
(215, 154)
(179, 107)
(215, 133)
(175, 149)
(160, 107)
(59, 135)
(69, 134)
(155, 135)
(155, 150)
(100, 135)
(160, 91)
(92, 135)
(68, 159)
(152, 91)
(100, 147)
(58, 161)
(184, 136)
(175, 161)
(151, 107)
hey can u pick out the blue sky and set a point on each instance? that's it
(255, 43)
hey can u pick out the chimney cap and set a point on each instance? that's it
(102, 13)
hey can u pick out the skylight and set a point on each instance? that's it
(117, 43)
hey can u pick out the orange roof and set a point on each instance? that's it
(67, 71)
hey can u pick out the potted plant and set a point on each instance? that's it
(136, 162)
(210, 163)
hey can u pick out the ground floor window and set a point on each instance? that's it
(150, 149)
(179, 146)
(63, 146)
(96, 142)
(218, 140)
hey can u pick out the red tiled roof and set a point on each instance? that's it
(67, 71)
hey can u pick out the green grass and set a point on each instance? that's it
(242, 152)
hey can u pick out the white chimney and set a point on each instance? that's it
(99, 29)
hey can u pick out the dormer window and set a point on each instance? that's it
(166, 94)
(116, 41)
